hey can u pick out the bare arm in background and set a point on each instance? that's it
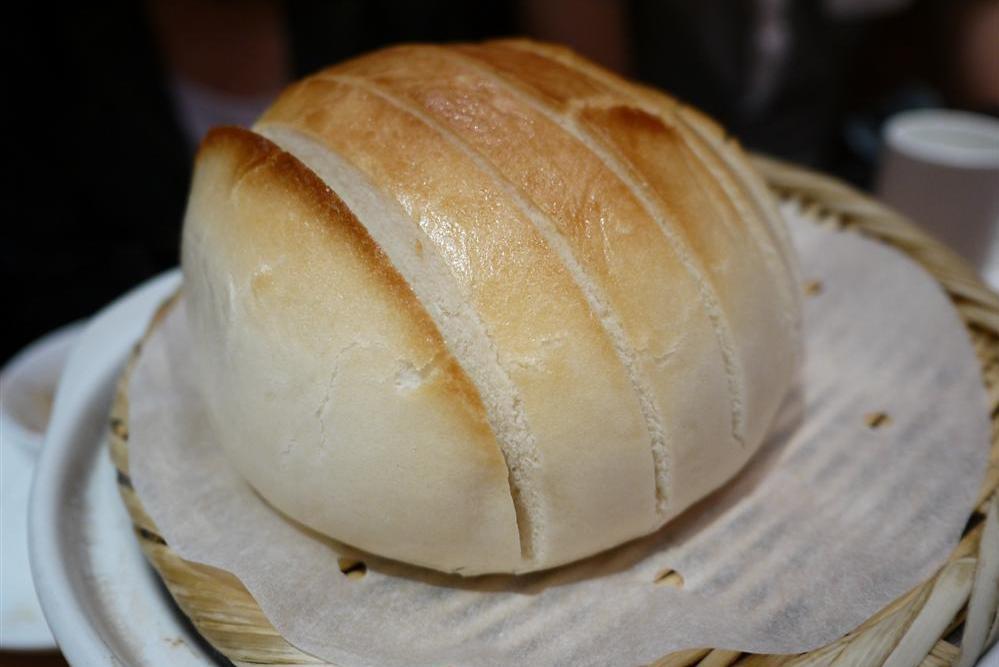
(598, 29)
(978, 55)
(237, 48)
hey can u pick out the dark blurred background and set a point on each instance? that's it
(110, 99)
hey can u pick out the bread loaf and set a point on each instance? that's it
(485, 308)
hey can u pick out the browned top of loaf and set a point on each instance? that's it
(260, 169)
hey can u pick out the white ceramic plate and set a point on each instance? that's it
(104, 603)
(27, 384)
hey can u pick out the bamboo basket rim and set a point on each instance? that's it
(960, 600)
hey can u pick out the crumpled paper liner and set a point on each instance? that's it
(859, 494)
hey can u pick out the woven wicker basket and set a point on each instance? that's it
(959, 603)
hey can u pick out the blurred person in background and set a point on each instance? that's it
(112, 99)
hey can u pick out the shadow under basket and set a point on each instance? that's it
(949, 619)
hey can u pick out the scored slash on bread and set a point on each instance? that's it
(485, 308)
(298, 321)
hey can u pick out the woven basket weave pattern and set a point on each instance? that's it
(959, 601)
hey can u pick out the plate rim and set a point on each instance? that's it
(88, 367)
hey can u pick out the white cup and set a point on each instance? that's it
(941, 169)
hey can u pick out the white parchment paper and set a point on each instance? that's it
(831, 521)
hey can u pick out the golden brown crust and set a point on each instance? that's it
(651, 142)
(260, 160)
(548, 339)
(620, 251)
(717, 152)
(721, 153)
